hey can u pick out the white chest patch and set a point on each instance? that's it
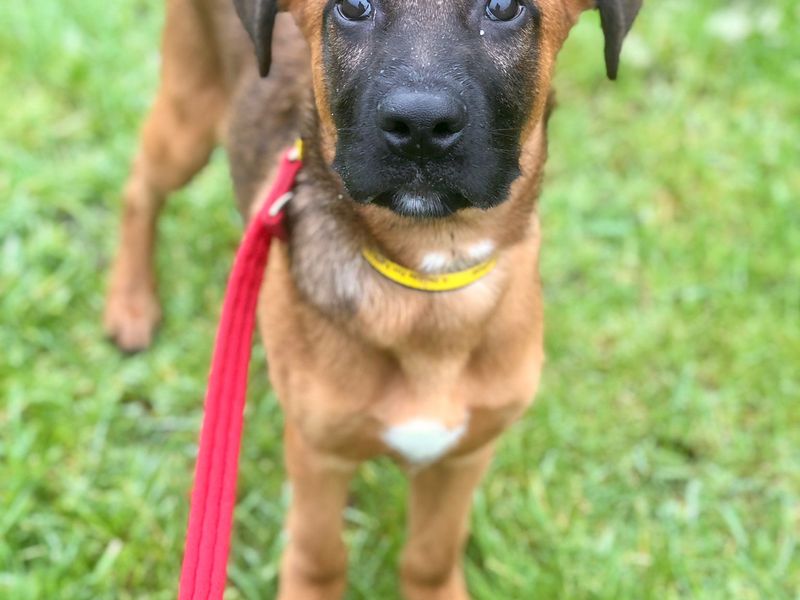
(422, 441)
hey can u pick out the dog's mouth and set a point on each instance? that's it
(437, 189)
(406, 190)
(420, 203)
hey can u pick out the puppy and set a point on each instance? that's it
(403, 316)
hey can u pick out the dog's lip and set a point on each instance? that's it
(416, 204)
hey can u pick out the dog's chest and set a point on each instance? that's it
(419, 398)
(418, 416)
(365, 367)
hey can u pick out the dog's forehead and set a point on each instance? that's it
(426, 10)
(432, 24)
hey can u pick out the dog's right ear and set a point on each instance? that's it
(258, 17)
(616, 17)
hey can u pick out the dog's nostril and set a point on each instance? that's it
(397, 127)
(445, 128)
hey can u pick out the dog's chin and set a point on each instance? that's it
(421, 205)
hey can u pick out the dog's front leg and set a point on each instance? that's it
(314, 565)
(441, 496)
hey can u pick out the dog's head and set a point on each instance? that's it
(425, 105)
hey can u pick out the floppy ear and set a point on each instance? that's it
(616, 17)
(258, 17)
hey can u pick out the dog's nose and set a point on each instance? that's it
(420, 124)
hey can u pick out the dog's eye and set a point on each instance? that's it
(503, 10)
(354, 10)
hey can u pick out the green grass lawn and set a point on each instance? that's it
(662, 458)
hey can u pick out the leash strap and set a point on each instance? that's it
(203, 574)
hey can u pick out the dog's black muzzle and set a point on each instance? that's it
(423, 147)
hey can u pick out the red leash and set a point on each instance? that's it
(205, 559)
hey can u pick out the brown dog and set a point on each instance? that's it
(425, 132)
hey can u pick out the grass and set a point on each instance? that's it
(662, 458)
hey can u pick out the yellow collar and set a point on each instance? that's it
(445, 282)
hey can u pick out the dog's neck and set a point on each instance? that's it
(329, 230)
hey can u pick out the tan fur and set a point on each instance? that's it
(349, 352)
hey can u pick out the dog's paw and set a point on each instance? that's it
(131, 318)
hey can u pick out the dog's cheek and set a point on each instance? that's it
(347, 87)
(554, 25)
(328, 136)
(508, 71)
(488, 187)
(309, 15)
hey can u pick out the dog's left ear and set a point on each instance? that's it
(616, 17)
(258, 17)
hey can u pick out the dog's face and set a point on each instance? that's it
(429, 99)
(425, 105)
